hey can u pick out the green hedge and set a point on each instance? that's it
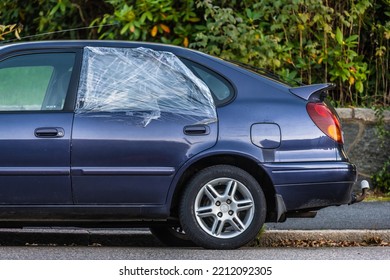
(310, 41)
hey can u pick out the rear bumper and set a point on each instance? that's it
(308, 186)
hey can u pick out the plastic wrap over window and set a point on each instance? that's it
(141, 80)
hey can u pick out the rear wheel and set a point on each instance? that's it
(223, 207)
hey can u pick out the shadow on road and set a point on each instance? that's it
(77, 237)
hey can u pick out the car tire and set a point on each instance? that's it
(172, 236)
(223, 207)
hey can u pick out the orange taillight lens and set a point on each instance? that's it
(325, 120)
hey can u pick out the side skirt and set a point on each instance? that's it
(82, 215)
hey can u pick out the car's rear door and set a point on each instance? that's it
(35, 127)
(139, 117)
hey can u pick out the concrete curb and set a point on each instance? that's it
(143, 238)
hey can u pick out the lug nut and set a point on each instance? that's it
(228, 201)
(218, 203)
(231, 212)
(219, 214)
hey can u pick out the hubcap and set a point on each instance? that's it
(224, 208)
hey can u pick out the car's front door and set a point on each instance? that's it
(139, 117)
(35, 128)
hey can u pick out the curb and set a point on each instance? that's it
(143, 238)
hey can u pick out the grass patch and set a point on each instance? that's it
(374, 196)
(377, 198)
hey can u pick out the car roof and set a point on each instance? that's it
(71, 44)
(96, 43)
(177, 50)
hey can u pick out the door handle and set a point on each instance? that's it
(49, 132)
(196, 130)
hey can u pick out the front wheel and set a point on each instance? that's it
(223, 207)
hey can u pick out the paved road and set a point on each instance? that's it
(83, 244)
(364, 215)
(370, 215)
(157, 253)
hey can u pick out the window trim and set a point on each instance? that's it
(218, 103)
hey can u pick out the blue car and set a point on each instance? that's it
(200, 150)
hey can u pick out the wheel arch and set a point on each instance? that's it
(240, 161)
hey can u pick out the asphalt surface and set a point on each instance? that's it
(156, 253)
(354, 223)
(363, 215)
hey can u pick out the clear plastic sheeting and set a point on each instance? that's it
(141, 80)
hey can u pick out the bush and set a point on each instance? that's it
(381, 179)
(313, 41)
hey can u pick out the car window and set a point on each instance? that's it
(35, 82)
(141, 80)
(221, 89)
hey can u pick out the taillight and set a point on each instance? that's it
(328, 122)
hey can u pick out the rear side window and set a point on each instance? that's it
(35, 82)
(141, 81)
(221, 89)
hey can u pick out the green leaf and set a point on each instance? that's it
(149, 15)
(351, 38)
(125, 28)
(54, 10)
(194, 19)
(137, 33)
(339, 36)
(248, 13)
(359, 86)
(63, 7)
(143, 17)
